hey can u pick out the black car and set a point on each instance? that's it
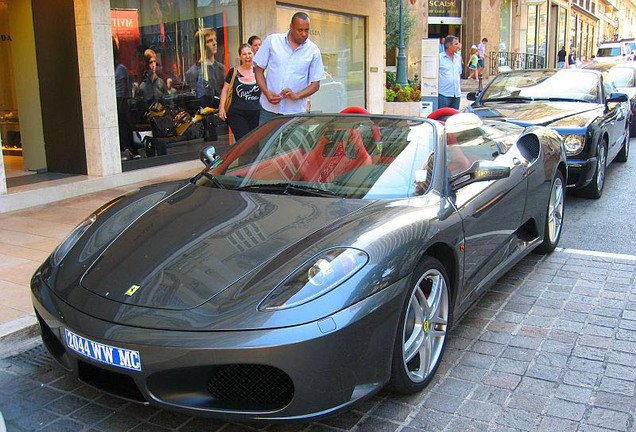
(590, 114)
(623, 76)
(320, 259)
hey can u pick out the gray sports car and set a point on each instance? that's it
(322, 258)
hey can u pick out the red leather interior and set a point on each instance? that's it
(330, 160)
(354, 110)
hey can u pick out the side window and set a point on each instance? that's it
(467, 146)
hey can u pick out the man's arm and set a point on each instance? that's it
(260, 81)
(312, 88)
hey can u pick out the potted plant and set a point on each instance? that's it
(403, 101)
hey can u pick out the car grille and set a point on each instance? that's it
(260, 385)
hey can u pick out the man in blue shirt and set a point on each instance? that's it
(450, 69)
(294, 70)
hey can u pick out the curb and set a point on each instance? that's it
(14, 334)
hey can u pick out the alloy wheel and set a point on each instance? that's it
(425, 326)
(555, 210)
(600, 167)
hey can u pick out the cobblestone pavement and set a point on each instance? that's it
(551, 347)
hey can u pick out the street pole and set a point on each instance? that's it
(401, 63)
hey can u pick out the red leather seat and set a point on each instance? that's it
(442, 114)
(334, 156)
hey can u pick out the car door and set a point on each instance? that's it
(491, 211)
(614, 119)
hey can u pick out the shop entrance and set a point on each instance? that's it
(441, 30)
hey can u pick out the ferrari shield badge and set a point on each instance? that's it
(132, 290)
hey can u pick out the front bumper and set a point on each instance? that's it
(331, 363)
(580, 172)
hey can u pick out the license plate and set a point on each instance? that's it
(110, 355)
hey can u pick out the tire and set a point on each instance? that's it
(624, 153)
(424, 323)
(594, 190)
(554, 215)
(632, 127)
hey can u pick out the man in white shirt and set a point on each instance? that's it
(294, 70)
(450, 69)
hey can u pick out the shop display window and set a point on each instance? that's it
(171, 58)
(341, 39)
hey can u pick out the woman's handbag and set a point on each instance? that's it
(228, 97)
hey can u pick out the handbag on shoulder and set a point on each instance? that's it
(228, 97)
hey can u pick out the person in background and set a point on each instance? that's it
(152, 87)
(244, 110)
(561, 58)
(441, 45)
(572, 58)
(255, 42)
(481, 65)
(207, 82)
(170, 90)
(123, 92)
(294, 70)
(472, 62)
(450, 69)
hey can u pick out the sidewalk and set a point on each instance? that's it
(27, 238)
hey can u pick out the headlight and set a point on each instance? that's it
(62, 249)
(316, 277)
(574, 144)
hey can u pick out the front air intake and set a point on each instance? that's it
(252, 385)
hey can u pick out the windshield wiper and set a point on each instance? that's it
(562, 99)
(312, 190)
(510, 99)
(287, 189)
(214, 180)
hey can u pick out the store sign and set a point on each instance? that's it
(445, 8)
(5, 38)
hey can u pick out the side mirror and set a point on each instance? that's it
(471, 96)
(208, 156)
(479, 171)
(617, 97)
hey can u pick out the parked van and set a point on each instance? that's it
(612, 51)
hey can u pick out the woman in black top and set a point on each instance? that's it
(244, 110)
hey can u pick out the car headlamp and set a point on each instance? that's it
(63, 248)
(316, 277)
(573, 144)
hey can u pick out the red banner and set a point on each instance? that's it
(125, 25)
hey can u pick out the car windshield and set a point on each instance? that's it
(345, 156)
(622, 76)
(563, 85)
(608, 52)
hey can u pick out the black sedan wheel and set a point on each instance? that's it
(595, 189)
(424, 323)
(554, 217)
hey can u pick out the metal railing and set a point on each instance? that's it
(503, 61)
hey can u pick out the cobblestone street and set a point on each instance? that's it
(551, 347)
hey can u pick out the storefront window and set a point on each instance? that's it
(9, 120)
(504, 26)
(165, 98)
(561, 32)
(542, 30)
(531, 38)
(341, 39)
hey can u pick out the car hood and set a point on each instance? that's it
(192, 245)
(541, 113)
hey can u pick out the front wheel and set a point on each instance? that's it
(595, 189)
(554, 215)
(424, 323)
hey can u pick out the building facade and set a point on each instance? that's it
(73, 97)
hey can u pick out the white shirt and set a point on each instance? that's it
(288, 68)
